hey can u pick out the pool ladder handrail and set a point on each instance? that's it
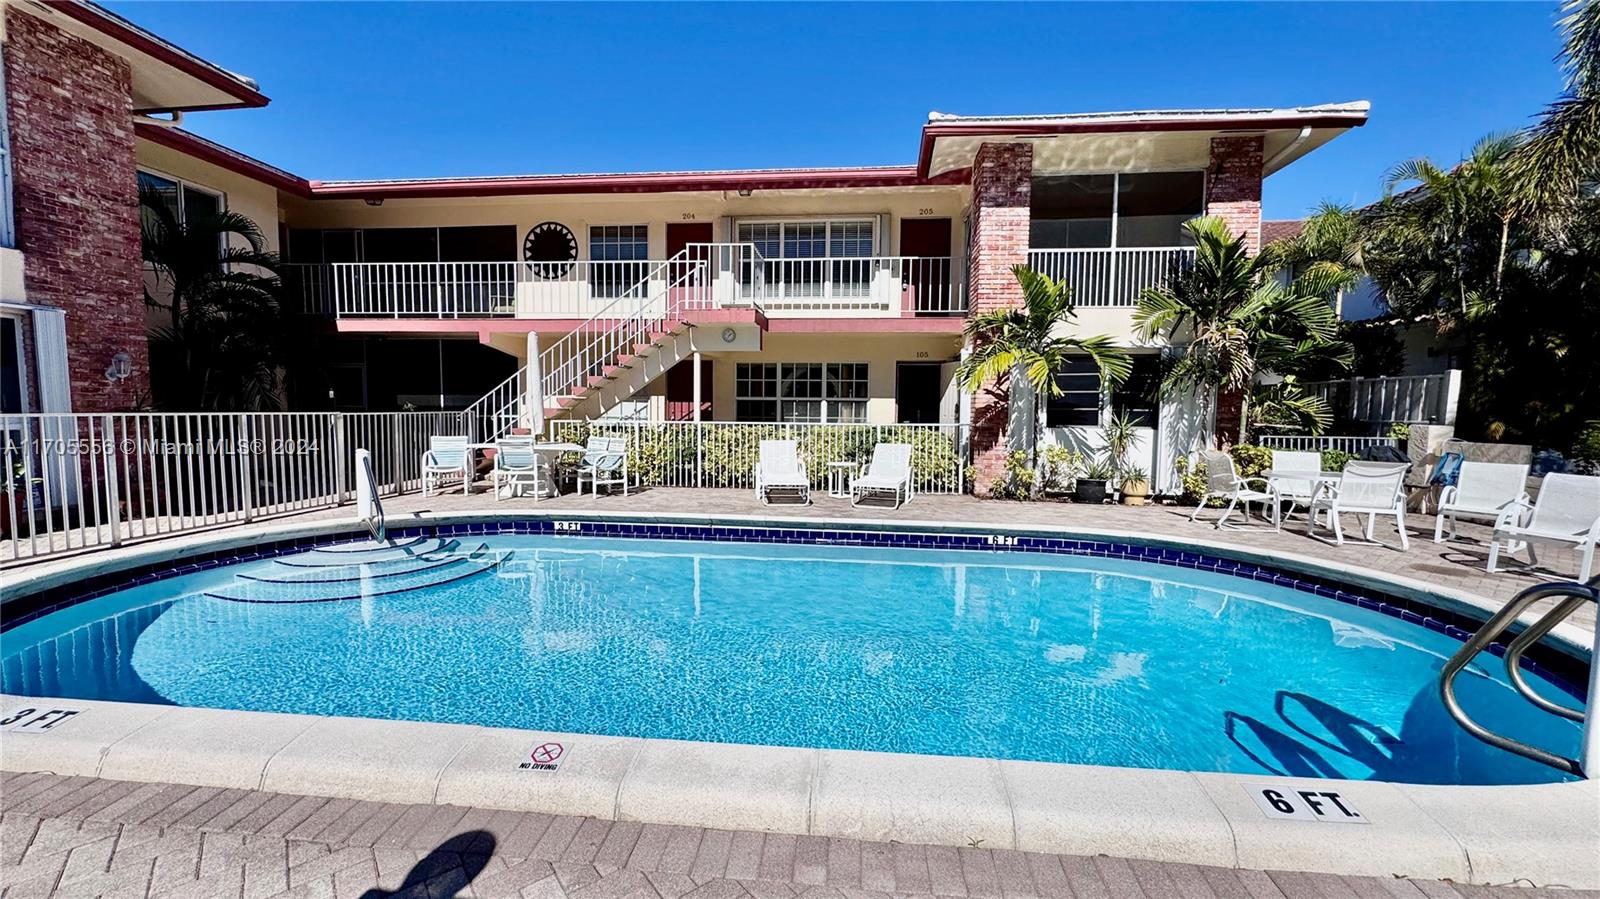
(1576, 595)
(371, 510)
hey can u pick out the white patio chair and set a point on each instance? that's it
(1482, 491)
(446, 457)
(1223, 482)
(1290, 489)
(516, 466)
(1364, 488)
(778, 467)
(889, 472)
(605, 461)
(1566, 513)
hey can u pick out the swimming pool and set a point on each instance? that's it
(996, 653)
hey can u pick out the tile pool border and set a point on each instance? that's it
(1560, 664)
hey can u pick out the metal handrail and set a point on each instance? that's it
(376, 526)
(1576, 595)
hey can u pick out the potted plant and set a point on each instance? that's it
(1057, 466)
(1120, 435)
(1135, 487)
(1092, 484)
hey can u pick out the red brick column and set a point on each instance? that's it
(1233, 186)
(1233, 193)
(76, 198)
(1002, 187)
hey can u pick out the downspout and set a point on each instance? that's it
(1305, 133)
(175, 121)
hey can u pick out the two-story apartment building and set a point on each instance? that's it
(831, 295)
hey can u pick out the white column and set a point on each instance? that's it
(696, 364)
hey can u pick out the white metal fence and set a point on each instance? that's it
(1356, 445)
(79, 481)
(724, 454)
(1110, 276)
(1413, 398)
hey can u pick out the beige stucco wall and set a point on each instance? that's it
(879, 351)
(578, 212)
(242, 195)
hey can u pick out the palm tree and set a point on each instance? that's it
(1560, 160)
(1325, 257)
(221, 346)
(1460, 218)
(1032, 343)
(1236, 319)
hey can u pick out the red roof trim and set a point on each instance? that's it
(113, 27)
(646, 182)
(220, 156)
(935, 130)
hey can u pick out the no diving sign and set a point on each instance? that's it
(1304, 804)
(544, 756)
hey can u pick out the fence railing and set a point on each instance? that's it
(80, 481)
(724, 454)
(1110, 276)
(1379, 401)
(1356, 445)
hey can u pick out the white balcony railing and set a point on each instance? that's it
(733, 275)
(1110, 276)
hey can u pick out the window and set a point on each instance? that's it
(186, 202)
(801, 391)
(618, 254)
(1142, 209)
(1137, 397)
(789, 249)
(11, 373)
(1079, 402)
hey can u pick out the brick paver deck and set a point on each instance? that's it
(80, 836)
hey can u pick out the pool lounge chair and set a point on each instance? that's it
(1290, 489)
(1223, 482)
(889, 472)
(1566, 513)
(1482, 491)
(516, 467)
(1364, 488)
(778, 467)
(447, 457)
(605, 461)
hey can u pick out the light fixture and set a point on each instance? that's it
(120, 368)
(374, 201)
(744, 191)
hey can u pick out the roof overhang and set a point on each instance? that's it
(636, 182)
(165, 77)
(1149, 140)
(191, 144)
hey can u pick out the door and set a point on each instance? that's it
(679, 236)
(918, 392)
(927, 276)
(680, 391)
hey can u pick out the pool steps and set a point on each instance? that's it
(354, 578)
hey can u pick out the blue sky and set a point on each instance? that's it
(369, 90)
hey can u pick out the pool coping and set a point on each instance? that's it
(1546, 833)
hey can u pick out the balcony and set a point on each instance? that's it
(1110, 277)
(702, 277)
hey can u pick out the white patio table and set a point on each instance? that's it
(538, 448)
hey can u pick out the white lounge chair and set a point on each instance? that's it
(889, 472)
(1482, 491)
(605, 461)
(1566, 513)
(516, 466)
(1223, 482)
(1290, 489)
(447, 457)
(1364, 488)
(778, 467)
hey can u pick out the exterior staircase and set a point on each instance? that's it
(608, 358)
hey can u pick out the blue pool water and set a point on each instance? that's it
(995, 654)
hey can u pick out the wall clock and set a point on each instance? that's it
(729, 335)
(552, 246)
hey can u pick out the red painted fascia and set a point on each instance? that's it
(186, 143)
(904, 325)
(661, 182)
(932, 131)
(142, 41)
